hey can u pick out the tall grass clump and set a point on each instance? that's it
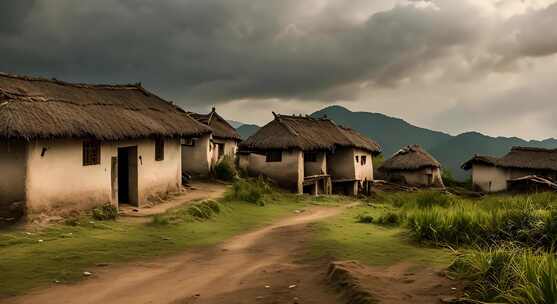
(250, 190)
(200, 211)
(456, 226)
(428, 199)
(508, 275)
(106, 212)
(225, 169)
(390, 218)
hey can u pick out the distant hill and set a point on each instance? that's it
(247, 130)
(393, 133)
(235, 124)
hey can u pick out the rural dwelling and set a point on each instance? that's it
(309, 155)
(413, 166)
(73, 146)
(199, 156)
(492, 174)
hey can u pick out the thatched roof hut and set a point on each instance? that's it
(412, 157)
(307, 134)
(479, 159)
(530, 158)
(519, 158)
(34, 108)
(220, 127)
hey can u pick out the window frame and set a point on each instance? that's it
(91, 152)
(273, 156)
(310, 157)
(159, 149)
(363, 160)
(189, 141)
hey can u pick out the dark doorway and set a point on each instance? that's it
(221, 150)
(127, 176)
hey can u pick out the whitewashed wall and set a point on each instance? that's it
(197, 159)
(318, 167)
(363, 172)
(288, 173)
(489, 178)
(58, 180)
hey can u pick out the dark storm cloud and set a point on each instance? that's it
(13, 14)
(211, 50)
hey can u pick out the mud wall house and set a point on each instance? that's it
(492, 174)
(309, 155)
(413, 166)
(209, 151)
(70, 146)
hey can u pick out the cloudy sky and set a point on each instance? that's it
(450, 65)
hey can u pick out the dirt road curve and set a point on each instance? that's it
(256, 267)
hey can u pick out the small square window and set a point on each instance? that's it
(364, 160)
(310, 157)
(91, 152)
(159, 149)
(357, 159)
(188, 141)
(273, 156)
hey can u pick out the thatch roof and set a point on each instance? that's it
(411, 157)
(307, 134)
(33, 108)
(220, 127)
(480, 159)
(522, 158)
(530, 158)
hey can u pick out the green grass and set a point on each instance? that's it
(508, 275)
(62, 252)
(343, 238)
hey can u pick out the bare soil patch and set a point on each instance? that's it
(400, 283)
(198, 190)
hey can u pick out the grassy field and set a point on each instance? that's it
(504, 244)
(345, 238)
(61, 253)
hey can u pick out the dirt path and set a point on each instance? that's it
(198, 190)
(257, 267)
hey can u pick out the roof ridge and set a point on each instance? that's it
(30, 100)
(287, 127)
(137, 85)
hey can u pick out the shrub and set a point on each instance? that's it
(105, 212)
(390, 218)
(225, 169)
(204, 210)
(364, 218)
(251, 191)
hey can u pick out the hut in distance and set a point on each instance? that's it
(413, 166)
(495, 174)
(312, 155)
(200, 155)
